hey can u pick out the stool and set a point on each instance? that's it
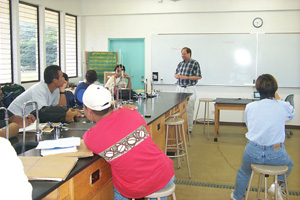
(268, 170)
(206, 118)
(163, 193)
(176, 115)
(180, 142)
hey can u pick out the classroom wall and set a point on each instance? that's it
(105, 19)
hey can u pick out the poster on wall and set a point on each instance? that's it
(101, 62)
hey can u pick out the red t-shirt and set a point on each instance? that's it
(138, 166)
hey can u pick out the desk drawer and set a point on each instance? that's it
(83, 188)
(157, 127)
(183, 107)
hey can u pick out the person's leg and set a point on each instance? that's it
(118, 196)
(191, 106)
(168, 185)
(252, 155)
(279, 157)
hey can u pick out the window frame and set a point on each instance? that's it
(38, 44)
(76, 44)
(59, 35)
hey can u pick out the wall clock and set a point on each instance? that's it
(257, 22)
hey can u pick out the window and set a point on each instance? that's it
(29, 48)
(5, 43)
(52, 35)
(71, 46)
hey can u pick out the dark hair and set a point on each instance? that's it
(50, 73)
(91, 76)
(120, 66)
(266, 85)
(66, 76)
(188, 50)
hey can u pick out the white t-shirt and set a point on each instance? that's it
(13, 181)
(39, 93)
(110, 82)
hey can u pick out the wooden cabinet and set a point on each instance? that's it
(157, 132)
(91, 183)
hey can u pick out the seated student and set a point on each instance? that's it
(69, 95)
(13, 182)
(50, 92)
(116, 78)
(122, 138)
(265, 120)
(90, 78)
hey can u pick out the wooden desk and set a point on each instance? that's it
(228, 104)
(77, 185)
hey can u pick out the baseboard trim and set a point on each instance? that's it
(243, 124)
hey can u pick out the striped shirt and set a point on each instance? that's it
(189, 68)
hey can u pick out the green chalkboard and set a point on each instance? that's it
(101, 62)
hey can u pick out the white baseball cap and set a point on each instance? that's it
(97, 97)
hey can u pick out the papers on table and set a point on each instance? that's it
(32, 127)
(62, 145)
(48, 168)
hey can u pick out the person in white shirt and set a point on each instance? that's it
(116, 78)
(50, 92)
(265, 120)
(13, 181)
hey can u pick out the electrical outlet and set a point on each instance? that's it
(95, 176)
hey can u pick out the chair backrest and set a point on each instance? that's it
(290, 98)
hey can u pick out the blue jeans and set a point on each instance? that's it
(118, 196)
(258, 154)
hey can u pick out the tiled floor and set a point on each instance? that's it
(214, 165)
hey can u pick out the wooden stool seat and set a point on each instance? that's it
(205, 118)
(163, 193)
(175, 115)
(268, 170)
(178, 143)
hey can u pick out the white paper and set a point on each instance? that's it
(32, 127)
(62, 142)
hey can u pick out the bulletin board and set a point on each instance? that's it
(101, 62)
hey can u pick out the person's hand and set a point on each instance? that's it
(63, 87)
(29, 119)
(129, 106)
(73, 114)
(19, 120)
(177, 76)
(277, 97)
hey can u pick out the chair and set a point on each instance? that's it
(163, 193)
(179, 142)
(290, 99)
(268, 170)
(176, 115)
(206, 118)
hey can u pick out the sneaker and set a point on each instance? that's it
(231, 196)
(271, 191)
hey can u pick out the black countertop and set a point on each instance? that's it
(155, 107)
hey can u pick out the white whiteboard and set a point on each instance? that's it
(279, 55)
(228, 59)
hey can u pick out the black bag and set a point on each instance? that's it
(14, 88)
(52, 114)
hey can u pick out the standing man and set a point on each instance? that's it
(188, 73)
(50, 92)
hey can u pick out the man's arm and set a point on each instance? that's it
(62, 95)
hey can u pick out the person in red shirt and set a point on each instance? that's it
(122, 138)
